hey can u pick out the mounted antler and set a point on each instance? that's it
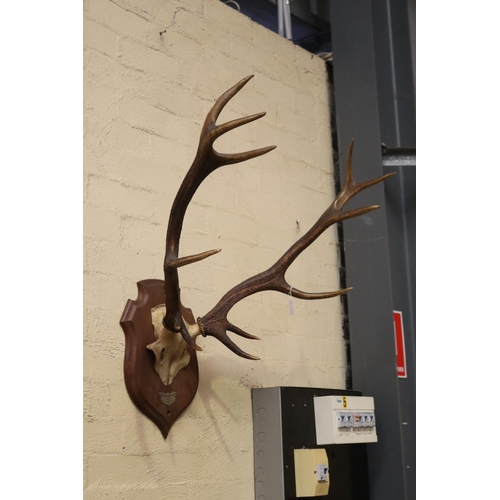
(216, 324)
(174, 352)
(207, 160)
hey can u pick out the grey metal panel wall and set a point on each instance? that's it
(400, 209)
(366, 241)
(393, 40)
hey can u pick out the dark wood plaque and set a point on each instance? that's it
(163, 404)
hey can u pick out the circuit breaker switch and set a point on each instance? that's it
(321, 472)
(312, 478)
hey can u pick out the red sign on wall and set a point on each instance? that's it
(400, 344)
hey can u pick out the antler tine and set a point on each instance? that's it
(316, 296)
(184, 261)
(231, 345)
(230, 159)
(221, 102)
(351, 187)
(231, 125)
(215, 322)
(189, 340)
(221, 335)
(241, 333)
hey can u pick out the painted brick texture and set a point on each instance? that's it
(145, 98)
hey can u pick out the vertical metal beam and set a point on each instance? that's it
(393, 40)
(284, 19)
(366, 242)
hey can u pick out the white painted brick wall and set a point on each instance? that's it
(145, 97)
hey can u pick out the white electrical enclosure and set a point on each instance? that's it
(345, 419)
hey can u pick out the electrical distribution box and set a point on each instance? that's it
(344, 419)
(289, 460)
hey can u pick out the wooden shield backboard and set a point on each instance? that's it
(163, 404)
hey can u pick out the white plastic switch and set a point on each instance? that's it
(344, 419)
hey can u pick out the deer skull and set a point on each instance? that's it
(170, 349)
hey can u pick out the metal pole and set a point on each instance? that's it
(281, 31)
(284, 19)
(288, 20)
